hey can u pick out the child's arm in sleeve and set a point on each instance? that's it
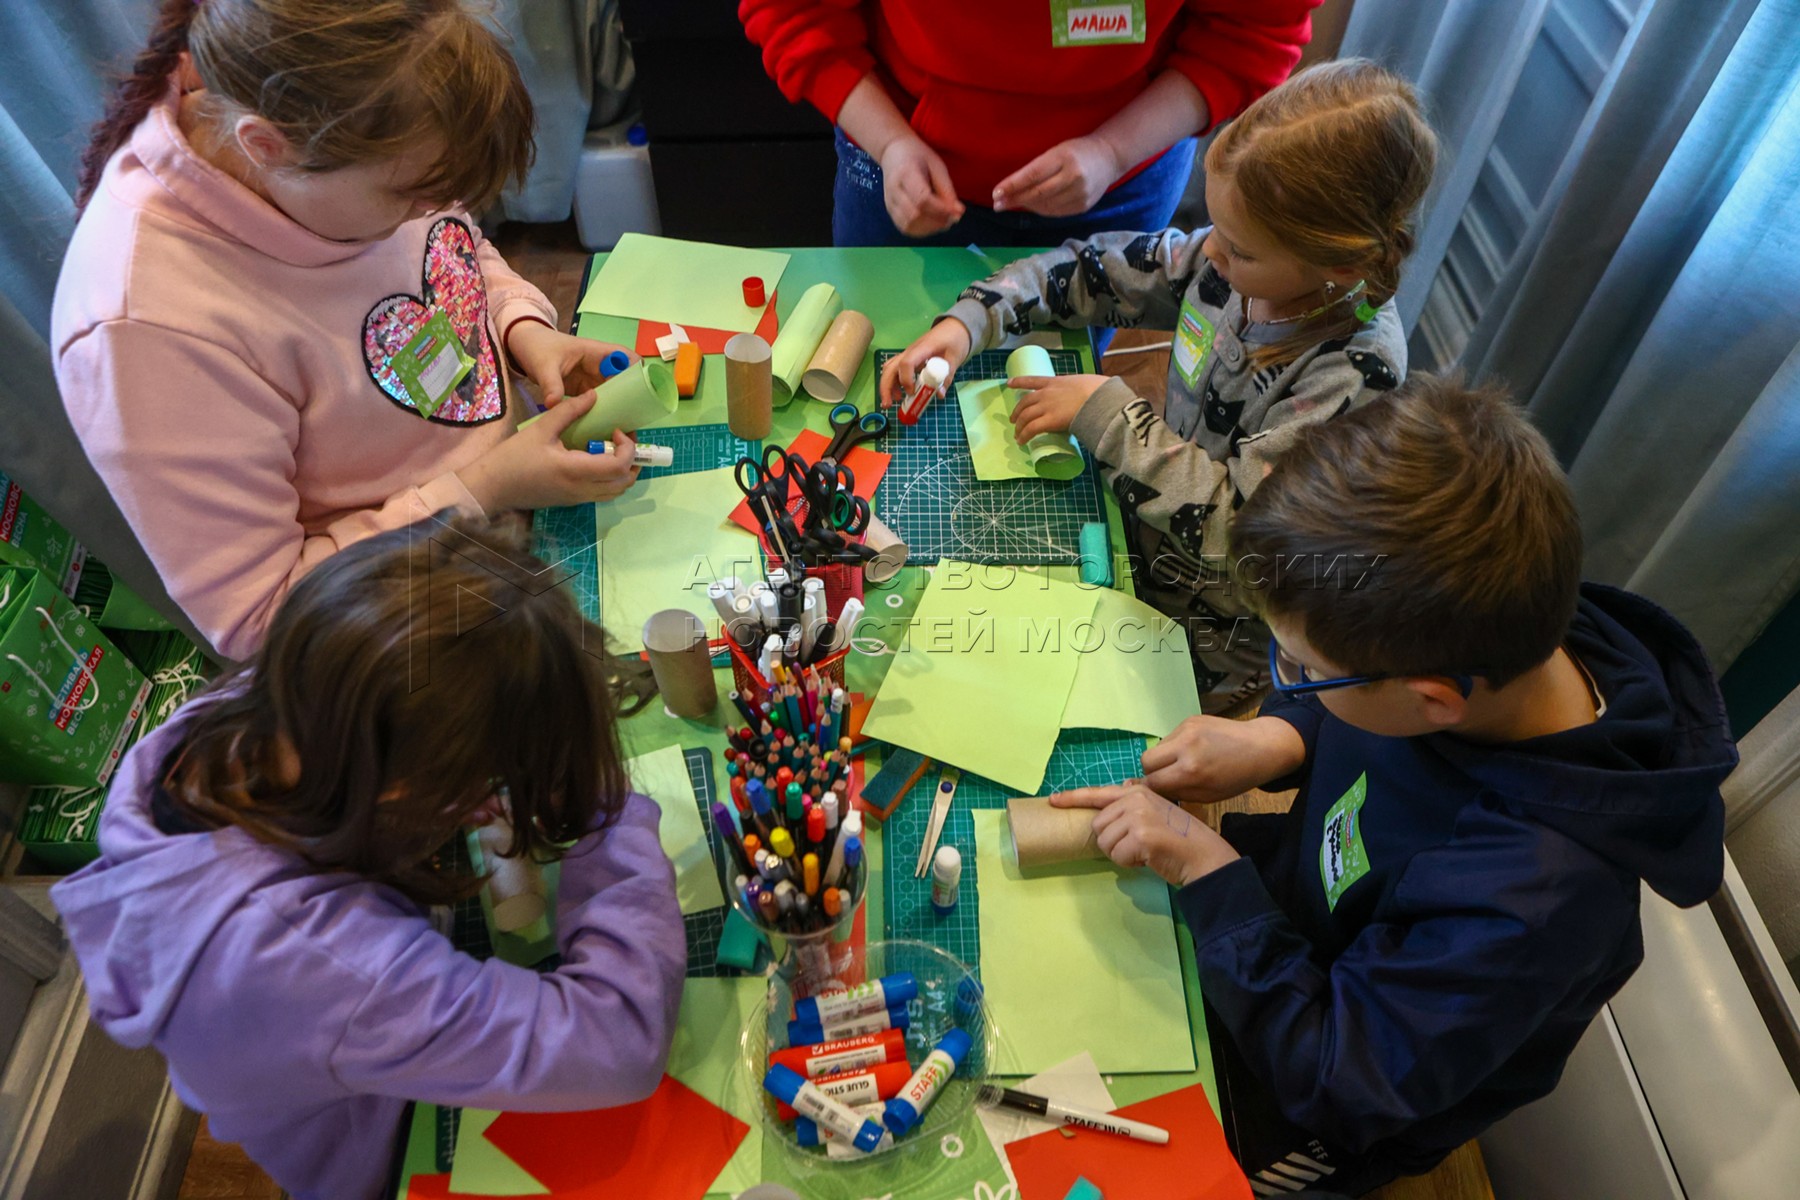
(1421, 1007)
(218, 514)
(1124, 279)
(440, 1026)
(511, 297)
(1182, 490)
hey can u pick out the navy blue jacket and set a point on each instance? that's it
(1450, 980)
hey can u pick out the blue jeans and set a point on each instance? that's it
(1146, 202)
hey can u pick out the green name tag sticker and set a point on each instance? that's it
(432, 364)
(1342, 859)
(1096, 23)
(1193, 343)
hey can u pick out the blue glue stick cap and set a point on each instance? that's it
(811, 1033)
(898, 989)
(613, 363)
(783, 1083)
(900, 1115)
(868, 1137)
(806, 1131)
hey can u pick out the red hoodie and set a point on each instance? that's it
(982, 83)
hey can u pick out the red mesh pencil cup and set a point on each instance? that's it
(753, 687)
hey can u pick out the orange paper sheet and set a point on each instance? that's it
(867, 465)
(710, 341)
(671, 1146)
(1048, 1164)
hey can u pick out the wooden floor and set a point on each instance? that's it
(551, 257)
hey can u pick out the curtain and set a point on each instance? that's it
(1648, 320)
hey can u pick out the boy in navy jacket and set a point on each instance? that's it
(1490, 756)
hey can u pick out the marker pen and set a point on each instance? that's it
(805, 1033)
(908, 1108)
(850, 827)
(930, 382)
(809, 868)
(890, 991)
(1069, 1114)
(845, 1054)
(815, 829)
(855, 1088)
(642, 456)
(791, 1087)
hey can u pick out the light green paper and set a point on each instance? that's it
(1134, 670)
(642, 394)
(480, 1169)
(800, 336)
(661, 543)
(1108, 937)
(683, 283)
(662, 775)
(987, 408)
(980, 681)
(705, 1055)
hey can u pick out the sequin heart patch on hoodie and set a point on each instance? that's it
(451, 281)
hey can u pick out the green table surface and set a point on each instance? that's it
(900, 289)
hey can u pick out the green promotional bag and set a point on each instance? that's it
(69, 698)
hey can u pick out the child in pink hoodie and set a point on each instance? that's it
(257, 912)
(276, 229)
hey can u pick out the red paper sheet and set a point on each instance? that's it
(710, 341)
(671, 1146)
(867, 465)
(1048, 1164)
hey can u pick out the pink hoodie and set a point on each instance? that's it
(228, 373)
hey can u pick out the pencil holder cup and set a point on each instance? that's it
(822, 955)
(752, 686)
(949, 997)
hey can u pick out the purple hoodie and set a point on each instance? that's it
(301, 1011)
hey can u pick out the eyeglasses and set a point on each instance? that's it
(1290, 678)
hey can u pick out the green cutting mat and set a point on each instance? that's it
(931, 498)
(564, 537)
(1082, 758)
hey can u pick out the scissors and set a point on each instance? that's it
(849, 514)
(823, 484)
(849, 430)
(769, 477)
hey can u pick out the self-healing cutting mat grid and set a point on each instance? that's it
(931, 498)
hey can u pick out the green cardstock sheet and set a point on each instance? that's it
(683, 283)
(1134, 670)
(987, 408)
(705, 1057)
(481, 1168)
(1077, 957)
(662, 775)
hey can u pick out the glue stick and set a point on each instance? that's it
(792, 1088)
(847, 1054)
(904, 1111)
(930, 383)
(946, 878)
(643, 455)
(890, 991)
(805, 1033)
(857, 1088)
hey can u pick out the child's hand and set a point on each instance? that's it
(559, 363)
(533, 469)
(948, 340)
(916, 186)
(1138, 828)
(1050, 402)
(1068, 178)
(1208, 759)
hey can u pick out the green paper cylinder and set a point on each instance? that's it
(800, 337)
(640, 395)
(1053, 455)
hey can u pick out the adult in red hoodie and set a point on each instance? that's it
(1019, 121)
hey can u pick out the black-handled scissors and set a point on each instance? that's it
(770, 477)
(824, 482)
(849, 429)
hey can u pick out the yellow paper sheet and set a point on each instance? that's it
(661, 543)
(982, 678)
(480, 1168)
(662, 775)
(705, 1058)
(1134, 672)
(684, 283)
(987, 406)
(1107, 940)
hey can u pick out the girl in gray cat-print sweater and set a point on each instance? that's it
(1283, 316)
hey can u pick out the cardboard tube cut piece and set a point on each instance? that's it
(640, 395)
(516, 891)
(890, 552)
(1053, 455)
(1043, 835)
(800, 336)
(835, 363)
(747, 383)
(675, 640)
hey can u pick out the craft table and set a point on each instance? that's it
(901, 290)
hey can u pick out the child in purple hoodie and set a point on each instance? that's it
(259, 909)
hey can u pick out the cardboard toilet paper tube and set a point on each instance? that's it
(800, 337)
(747, 382)
(839, 356)
(1043, 835)
(675, 640)
(516, 890)
(640, 395)
(890, 552)
(1053, 455)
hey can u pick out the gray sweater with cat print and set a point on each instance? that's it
(1180, 476)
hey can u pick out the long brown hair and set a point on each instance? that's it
(410, 674)
(1332, 164)
(1428, 532)
(347, 81)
